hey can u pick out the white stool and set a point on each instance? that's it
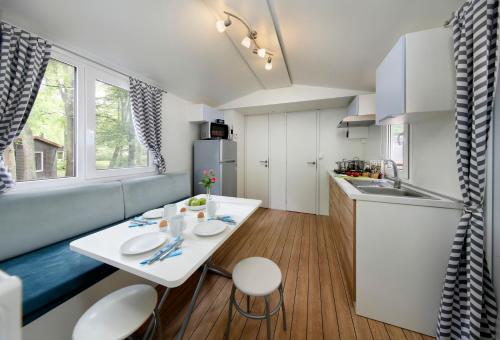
(258, 277)
(119, 314)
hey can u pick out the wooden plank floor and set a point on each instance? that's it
(316, 300)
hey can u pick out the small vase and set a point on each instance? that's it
(208, 194)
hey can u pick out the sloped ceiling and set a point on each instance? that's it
(328, 43)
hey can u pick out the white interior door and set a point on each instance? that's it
(301, 140)
(257, 158)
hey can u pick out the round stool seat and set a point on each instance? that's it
(257, 276)
(117, 315)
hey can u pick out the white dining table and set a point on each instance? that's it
(197, 251)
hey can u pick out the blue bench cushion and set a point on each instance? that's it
(35, 219)
(52, 275)
(146, 193)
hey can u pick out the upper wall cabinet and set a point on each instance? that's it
(363, 104)
(200, 113)
(417, 76)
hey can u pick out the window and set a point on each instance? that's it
(397, 148)
(80, 127)
(116, 143)
(39, 161)
(50, 126)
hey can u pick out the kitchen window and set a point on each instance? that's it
(397, 147)
(80, 128)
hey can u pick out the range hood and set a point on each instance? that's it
(357, 120)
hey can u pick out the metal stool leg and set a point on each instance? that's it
(230, 313)
(283, 306)
(157, 330)
(268, 318)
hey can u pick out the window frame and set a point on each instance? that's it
(404, 172)
(84, 139)
(100, 74)
(41, 161)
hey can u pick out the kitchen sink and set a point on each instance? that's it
(403, 192)
(385, 187)
(369, 183)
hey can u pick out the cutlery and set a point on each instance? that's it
(171, 251)
(162, 251)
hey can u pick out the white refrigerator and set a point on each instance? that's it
(220, 156)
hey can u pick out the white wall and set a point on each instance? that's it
(334, 146)
(177, 134)
(433, 163)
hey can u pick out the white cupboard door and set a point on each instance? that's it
(301, 140)
(390, 84)
(257, 158)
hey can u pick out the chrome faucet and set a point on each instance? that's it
(395, 178)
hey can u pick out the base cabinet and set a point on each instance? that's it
(342, 213)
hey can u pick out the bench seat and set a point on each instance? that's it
(52, 275)
(38, 226)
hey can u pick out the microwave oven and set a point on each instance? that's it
(210, 130)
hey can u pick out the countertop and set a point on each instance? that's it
(438, 201)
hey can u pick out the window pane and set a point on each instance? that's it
(116, 143)
(397, 140)
(48, 131)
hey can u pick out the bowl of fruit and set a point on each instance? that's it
(195, 203)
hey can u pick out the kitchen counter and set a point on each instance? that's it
(393, 249)
(438, 201)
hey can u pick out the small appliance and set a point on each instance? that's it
(211, 130)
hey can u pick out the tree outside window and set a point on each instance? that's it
(50, 129)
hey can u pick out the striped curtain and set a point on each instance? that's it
(468, 307)
(23, 60)
(146, 108)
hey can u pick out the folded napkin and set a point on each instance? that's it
(226, 219)
(139, 222)
(156, 256)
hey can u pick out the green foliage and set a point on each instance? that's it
(116, 143)
(48, 116)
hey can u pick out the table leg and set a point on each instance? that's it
(218, 270)
(158, 308)
(193, 302)
(208, 266)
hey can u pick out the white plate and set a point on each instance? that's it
(209, 228)
(143, 243)
(196, 207)
(155, 213)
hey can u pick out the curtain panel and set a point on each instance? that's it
(146, 107)
(23, 60)
(468, 307)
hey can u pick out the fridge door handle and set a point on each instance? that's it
(227, 162)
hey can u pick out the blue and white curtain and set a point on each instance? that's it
(468, 305)
(23, 60)
(146, 113)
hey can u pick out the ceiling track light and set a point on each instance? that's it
(269, 64)
(247, 41)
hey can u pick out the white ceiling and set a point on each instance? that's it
(329, 43)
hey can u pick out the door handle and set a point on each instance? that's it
(264, 162)
(311, 163)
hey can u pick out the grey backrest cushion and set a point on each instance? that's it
(31, 220)
(145, 193)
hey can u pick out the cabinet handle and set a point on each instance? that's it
(311, 163)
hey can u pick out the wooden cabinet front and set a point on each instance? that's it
(343, 219)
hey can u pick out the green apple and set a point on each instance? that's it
(202, 201)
